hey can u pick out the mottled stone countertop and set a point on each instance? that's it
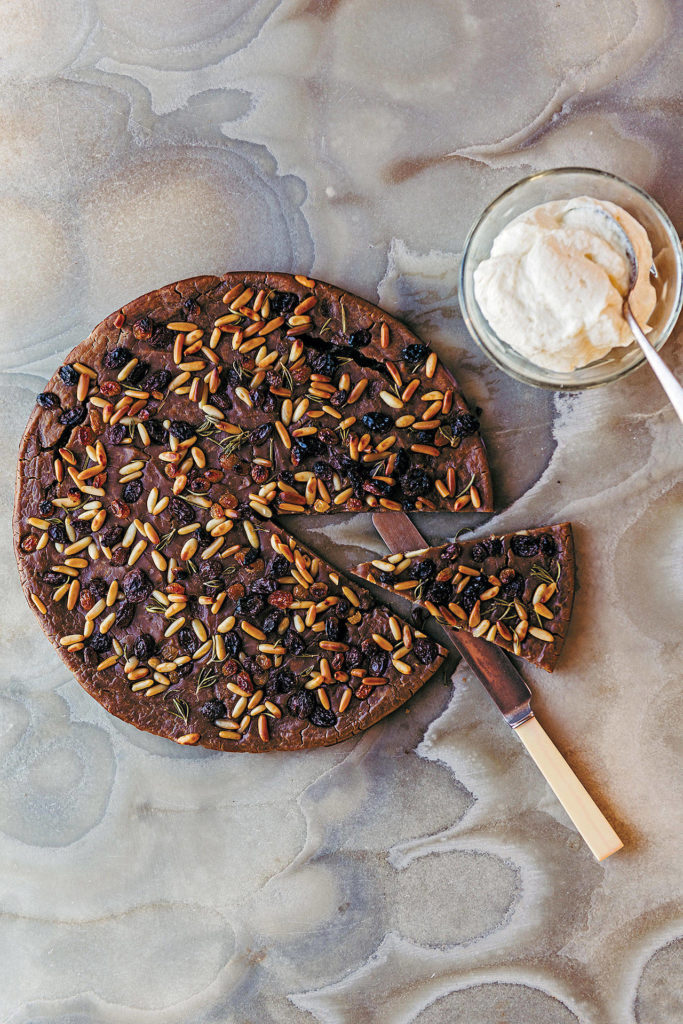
(422, 872)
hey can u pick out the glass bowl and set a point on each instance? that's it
(566, 183)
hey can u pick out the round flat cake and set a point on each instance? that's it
(148, 478)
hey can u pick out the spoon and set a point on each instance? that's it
(596, 217)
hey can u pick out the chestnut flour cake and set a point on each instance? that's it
(515, 590)
(148, 476)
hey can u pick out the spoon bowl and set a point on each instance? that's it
(601, 220)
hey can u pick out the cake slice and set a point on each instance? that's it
(515, 590)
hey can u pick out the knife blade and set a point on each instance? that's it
(512, 697)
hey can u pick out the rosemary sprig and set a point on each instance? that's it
(182, 709)
(191, 567)
(343, 316)
(447, 432)
(541, 573)
(155, 608)
(166, 539)
(466, 487)
(207, 677)
(325, 326)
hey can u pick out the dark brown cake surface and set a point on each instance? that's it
(515, 590)
(149, 473)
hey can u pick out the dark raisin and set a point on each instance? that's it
(191, 308)
(328, 436)
(353, 657)
(144, 646)
(377, 421)
(271, 622)
(379, 662)
(366, 601)
(250, 605)
(402, 463)
(387, 579)
(294, 643)
(495, 546)
(308, 446)
(279, 566)
(414, 353)
(334, 628)
(185, 669)
(464, 425)
(281, 680)
(119, 557)
(451, 552)
(116, 434)
(137, 373)
(548, 545)
(182, 511)
(260, 435)
(323, 470)
(214, 709)
(379, 487)
(425, 570)
(210, 569)
(45, 508)
(142, 328)
(100, 642)
(416, 482)
(137, 585)
(57, 533)
(324, 363)
(111, 535)
(52, 578)
(513, 586)
(233, 643)
(68, 374)
(425, 649)
(360, 338)
(158, 434)
(125, 612)
(161, 338)
(470, 595)
(181, 429)
(338, 399)
(282, 303)
(250, 556)
(343, 607)
(524, 546)
(440, 593)
(117, 358)
(264, 586)
(131, 491)
(48, 400)
(323, 718)
(480, 552)
(188, 640)
(72, 417)
(158, 381)
(301, 704)
(97, 587)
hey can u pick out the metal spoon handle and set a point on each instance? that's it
(662, 371)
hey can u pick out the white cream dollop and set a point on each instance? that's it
(554, 290)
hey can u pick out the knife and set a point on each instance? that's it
(512, 697)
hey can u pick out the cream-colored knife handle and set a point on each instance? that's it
(586, 815)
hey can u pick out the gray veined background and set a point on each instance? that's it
(422, 872)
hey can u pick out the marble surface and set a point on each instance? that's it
(422, 872)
